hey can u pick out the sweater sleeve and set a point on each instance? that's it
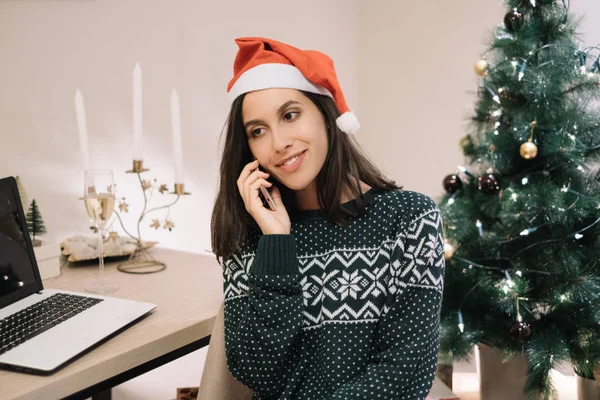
(263, 314)
(406, 348)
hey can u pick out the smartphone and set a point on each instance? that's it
(267, 197)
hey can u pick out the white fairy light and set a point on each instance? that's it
(461, 323)
(519, 273)
(479, 228)
(509, 280)
(525, 181)
(514, 196)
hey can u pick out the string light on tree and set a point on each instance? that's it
(495, 96)
(464, 171)
(526, 232)
(509, 280)
(508, 283)
(479, 228)
(522, 70)
(449, 249)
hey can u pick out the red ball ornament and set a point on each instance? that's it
(520, 331)
(488, 184)
(452, 183)
(513, 20)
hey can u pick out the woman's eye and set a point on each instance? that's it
(288, 116)
(256, 132)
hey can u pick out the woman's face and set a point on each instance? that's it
(284, 123)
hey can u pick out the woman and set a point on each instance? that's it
(336, 293)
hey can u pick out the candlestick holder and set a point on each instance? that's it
(141, 261)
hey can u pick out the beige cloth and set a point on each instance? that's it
(217, 382)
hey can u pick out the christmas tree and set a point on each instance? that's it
(35, 223)
(521, 217)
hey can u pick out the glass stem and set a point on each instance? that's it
(101, 255)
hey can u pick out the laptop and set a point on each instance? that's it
(41, 330)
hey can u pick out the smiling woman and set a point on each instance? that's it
(334, 293)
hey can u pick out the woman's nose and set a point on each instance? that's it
(281, 141)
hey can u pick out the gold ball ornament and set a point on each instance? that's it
(449, 250)
(481, 67)
(529, 150)
(467, 146)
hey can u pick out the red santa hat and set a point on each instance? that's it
(265, 63)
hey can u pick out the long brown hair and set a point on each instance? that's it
(345, 166)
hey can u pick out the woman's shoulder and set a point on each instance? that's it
(408, 205)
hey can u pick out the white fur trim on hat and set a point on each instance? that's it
(268, 76)
(347, 122)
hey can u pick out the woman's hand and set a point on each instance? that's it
(249, 183)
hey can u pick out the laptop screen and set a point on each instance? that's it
(17, 272)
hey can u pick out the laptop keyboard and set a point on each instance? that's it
(38, 318)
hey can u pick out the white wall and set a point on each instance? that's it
(410, 62)
(416, 80)
(49, 48)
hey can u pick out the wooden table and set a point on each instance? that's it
(188, 295)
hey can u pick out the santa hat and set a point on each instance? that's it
(264, 64)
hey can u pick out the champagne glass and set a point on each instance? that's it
(99, 198)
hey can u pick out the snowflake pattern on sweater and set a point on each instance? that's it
(342, 313)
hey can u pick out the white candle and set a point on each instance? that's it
(82, 127)
(137, 113)
(176, 130)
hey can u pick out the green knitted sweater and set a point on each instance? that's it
(330, 312)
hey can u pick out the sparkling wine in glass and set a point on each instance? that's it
(99, 198)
